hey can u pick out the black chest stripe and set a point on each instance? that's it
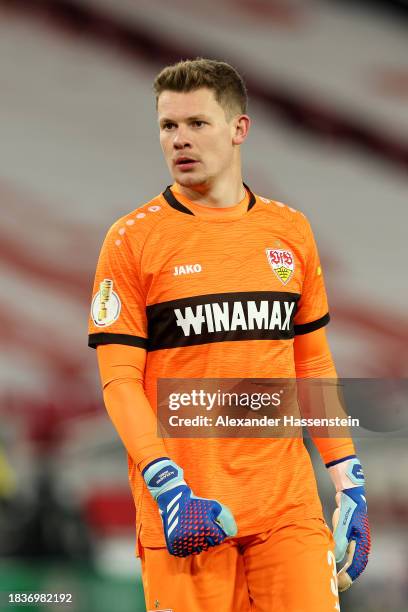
(222, 317)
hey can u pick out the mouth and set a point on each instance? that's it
(186, 163)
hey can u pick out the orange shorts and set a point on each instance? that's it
(290, 569)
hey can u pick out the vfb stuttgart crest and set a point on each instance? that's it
(282, 263)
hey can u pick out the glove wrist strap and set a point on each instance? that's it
(346, 474)
(162, 475)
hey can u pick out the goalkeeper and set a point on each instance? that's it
(209, 280)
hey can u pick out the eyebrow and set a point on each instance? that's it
(200, 117)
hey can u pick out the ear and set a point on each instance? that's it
(241, 125)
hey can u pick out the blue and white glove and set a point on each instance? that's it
(350, 521)
(191, 524)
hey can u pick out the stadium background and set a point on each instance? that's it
(328, 84)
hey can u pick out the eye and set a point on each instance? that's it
(197, 123)
(168, 125)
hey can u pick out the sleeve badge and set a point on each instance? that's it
(106, 305)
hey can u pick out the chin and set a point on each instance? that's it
(189, 180)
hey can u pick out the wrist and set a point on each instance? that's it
(346, 473)
(162, 475)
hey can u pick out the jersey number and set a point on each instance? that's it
(333, 580)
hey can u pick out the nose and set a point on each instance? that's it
(180, 140)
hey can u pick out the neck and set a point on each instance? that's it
(219, 193)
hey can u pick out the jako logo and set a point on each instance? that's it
(189, 269)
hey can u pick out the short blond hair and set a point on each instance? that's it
(188, 75)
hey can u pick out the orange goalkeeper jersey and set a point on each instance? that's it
(216, 293)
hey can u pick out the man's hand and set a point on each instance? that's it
(350, 521)
(191, 524)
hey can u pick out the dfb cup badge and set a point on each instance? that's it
(105, 305)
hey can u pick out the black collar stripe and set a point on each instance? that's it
(252, 199)
(174, 203)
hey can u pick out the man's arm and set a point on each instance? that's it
(118, 329)
(191, 524)
(313, 359)
(351, 529)
(121, 369)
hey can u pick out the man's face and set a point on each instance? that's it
(195, 135)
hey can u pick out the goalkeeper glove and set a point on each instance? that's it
(191, 524)
(350, 521)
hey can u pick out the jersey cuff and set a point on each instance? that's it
(306, 328)
(103, 338)
(331, 463)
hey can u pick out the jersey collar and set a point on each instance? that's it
(174, 202)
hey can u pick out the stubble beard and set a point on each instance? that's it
(191, 180)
